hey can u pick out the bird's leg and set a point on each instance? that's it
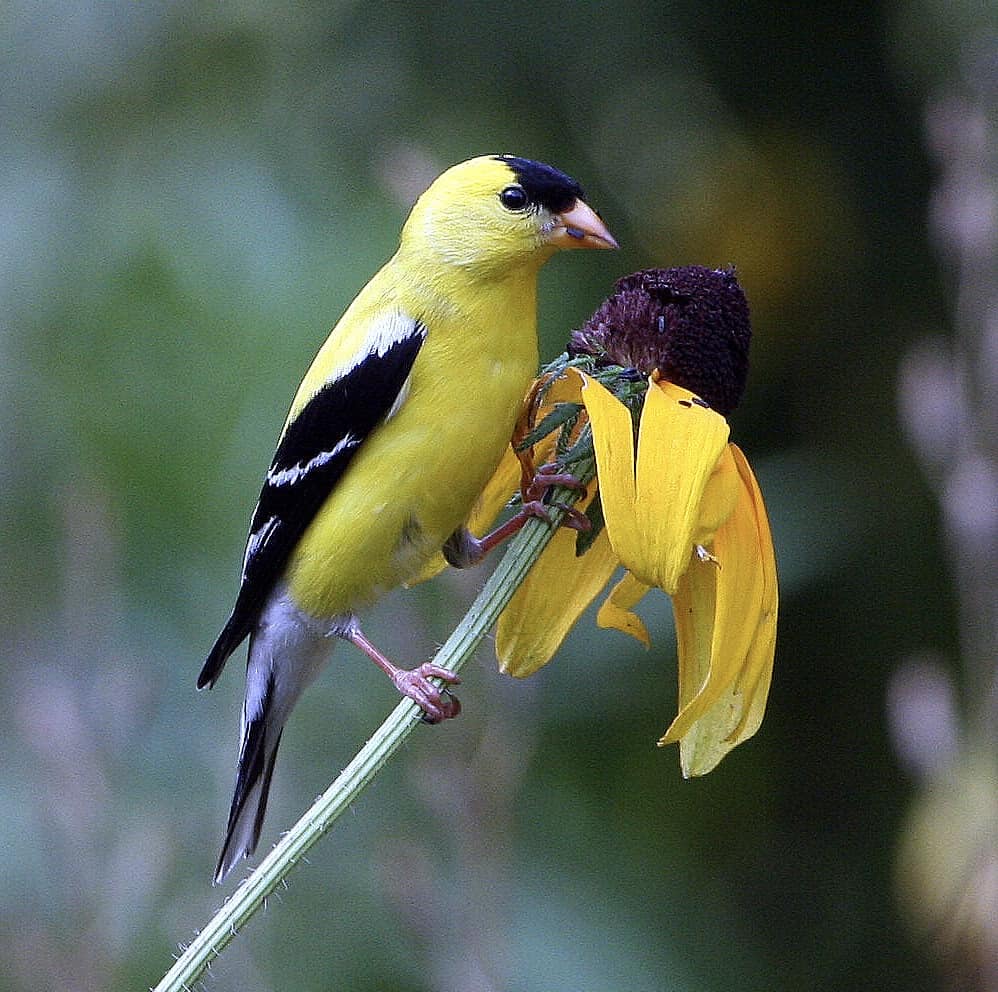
(435, 701)
(463, 548)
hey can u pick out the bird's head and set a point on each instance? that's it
(499, 212)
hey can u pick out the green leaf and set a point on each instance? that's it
(562, 414)
(594, 513)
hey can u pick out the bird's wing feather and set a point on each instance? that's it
(314, 451)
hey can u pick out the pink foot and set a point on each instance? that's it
(463, 548)
(436, 701)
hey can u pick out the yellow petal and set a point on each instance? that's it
(720, 496)
(549, 602)
(613, 439)
(564, 389)
(758, 670)
(679, 444)
(726, 624)
(693, 607)
(497, 493)
(652, 503)
(617, 611)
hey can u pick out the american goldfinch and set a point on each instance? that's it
(396, 428)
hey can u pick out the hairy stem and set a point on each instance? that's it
(523, 551)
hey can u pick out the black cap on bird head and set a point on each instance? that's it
(545, 185)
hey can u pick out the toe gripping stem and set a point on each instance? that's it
(436, 701)
(463, 548)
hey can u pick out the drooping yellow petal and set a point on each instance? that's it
(720, 496)
(725, 622)
(497, 493)
(617, 610)
(693, 607)
(613, 440)
(550, 600)
(679, 443)
(758, 671)
(560, 585)
(563, 389)
(652, 502)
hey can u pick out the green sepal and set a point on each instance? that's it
(562, 414)
(594, 514)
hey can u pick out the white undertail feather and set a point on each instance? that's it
(286, 652)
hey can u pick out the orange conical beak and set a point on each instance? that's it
(580, 227)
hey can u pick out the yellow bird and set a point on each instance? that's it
(398, 424)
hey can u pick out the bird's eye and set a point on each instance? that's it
(514, 198)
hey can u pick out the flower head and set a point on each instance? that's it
(643, 391)
(690, 323)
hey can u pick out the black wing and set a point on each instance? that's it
(312, 455)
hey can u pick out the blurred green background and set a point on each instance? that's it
(190, 194)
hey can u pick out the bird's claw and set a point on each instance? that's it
(545, 478)
(574, 519)
(452, 707)
(436, 701)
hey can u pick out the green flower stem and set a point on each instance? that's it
(523, 551)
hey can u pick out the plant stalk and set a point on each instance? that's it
(523, 551)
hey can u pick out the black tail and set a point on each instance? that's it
(232, 635)
(254, 772)
(285, 654)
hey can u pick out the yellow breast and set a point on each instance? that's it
(416, 478)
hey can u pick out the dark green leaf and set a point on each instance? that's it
(562, 414)
(594, 512)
